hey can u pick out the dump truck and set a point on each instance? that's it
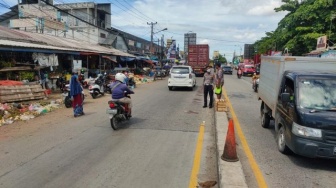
(299, 94)
(198, 58)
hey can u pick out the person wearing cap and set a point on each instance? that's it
(208, 87)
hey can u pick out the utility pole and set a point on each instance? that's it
(152, 33)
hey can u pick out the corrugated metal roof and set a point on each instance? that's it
(31, 45)
(28, 39)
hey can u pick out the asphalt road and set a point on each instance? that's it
(277, 170)
(156, 148)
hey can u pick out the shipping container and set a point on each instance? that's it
(198, 58)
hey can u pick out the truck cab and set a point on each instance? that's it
(299, 94)
(305, 117)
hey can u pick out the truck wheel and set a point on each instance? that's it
(265, 120)
(170, 88)
(281, 141)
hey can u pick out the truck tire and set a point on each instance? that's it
(265, 120)
(281, 141)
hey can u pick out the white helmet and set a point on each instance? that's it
(120, 77)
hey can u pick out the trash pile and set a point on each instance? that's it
(140, 79)
(11, 112)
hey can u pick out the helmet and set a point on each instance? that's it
(218, 64)
(120, 77)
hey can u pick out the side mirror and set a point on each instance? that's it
(285, 97)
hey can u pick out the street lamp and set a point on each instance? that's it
(161, 30)
(161, 38)
(155, 33)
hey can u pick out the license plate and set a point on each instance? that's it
(111, 111)
(334, 150)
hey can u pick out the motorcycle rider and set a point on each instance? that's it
(118, 90)
(254, 78)
(239, 72)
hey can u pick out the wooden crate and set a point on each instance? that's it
(21, 93)
(221, 105)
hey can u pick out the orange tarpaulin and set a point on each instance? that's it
(10, 83)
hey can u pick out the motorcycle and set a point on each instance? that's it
(255, 85)
(118, 112)
(67, 96)
(98, 88)
(131, 83)
(61, 83)
(239, 75)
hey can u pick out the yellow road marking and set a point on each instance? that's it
(197, 158)
(255, 168)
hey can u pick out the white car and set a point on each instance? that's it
(181, 76)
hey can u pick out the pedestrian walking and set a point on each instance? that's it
(219, 80)
(208, 87)
(76, 96)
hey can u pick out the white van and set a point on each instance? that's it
(181, 76)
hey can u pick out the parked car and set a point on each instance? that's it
(181, 76)
(227, 69)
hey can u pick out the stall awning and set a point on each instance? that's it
(148, 61)
(109, 58)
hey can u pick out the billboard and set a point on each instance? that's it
(171, 52)
(321, 43)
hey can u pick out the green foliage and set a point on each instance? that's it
(6, 64)
(27, 75)
(299, 29)
(222, 59)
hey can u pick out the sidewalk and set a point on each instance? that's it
(230, 173)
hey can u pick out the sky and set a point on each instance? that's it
(226, 25)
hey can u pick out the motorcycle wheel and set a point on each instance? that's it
(94, 95)
(67, 102)
(114, 123)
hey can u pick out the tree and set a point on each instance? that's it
(222, 59)
(300, 28)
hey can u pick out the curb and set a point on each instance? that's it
(230, 174)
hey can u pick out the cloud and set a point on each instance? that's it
(225, 25)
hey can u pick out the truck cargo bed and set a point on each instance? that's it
(273, 67)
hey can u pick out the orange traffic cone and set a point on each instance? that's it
(230, 153)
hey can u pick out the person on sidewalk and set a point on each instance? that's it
(208, 83)
(219, 80)
(76, 96)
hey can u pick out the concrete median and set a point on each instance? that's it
(230, 173)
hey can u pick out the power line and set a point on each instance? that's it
(221, 40)
(125, 10)
(137, 10)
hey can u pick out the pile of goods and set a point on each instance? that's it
(11, 112)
